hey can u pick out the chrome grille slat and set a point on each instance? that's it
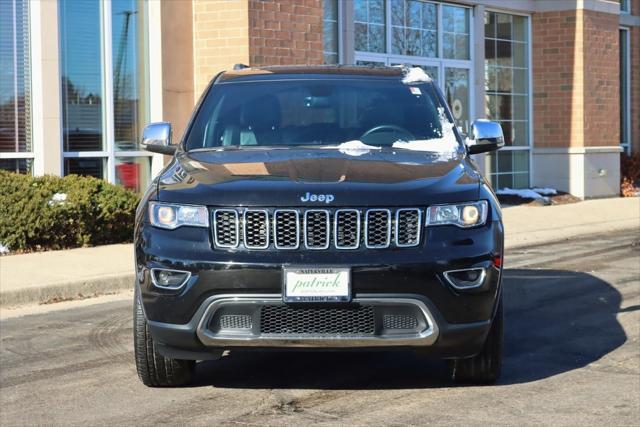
(256, 228)
(346, 229)
(226, 229)
(286, 229)
(408, 227)
(316, 229)
(377, 228)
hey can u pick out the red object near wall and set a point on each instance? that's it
(129, 175)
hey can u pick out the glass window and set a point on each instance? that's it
(370, 63)
(414, 28)
(87, 166)
(455, 32)
(624, 6)
(133, 173)
(87, 85)
(316, 112)
(457, 94)
(507, 94)
(330, 32)
(128, 75)
(429, 34)
(431, 70)
(81, 69)
(17, 165)
(369, 25)
(15, 83)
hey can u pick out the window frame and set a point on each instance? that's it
(24, 155)
(625, 140)
(109, 152)
(340, 27)
(529, 147)
(625, 10)
(440, 62)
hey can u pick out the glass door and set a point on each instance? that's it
(103, 85)
(434, 36)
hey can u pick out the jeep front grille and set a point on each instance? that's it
(316, 229)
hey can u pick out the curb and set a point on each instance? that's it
(67, 291)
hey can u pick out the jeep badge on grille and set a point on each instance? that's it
(309, 197)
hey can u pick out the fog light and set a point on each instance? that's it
(466, 278)
(169, 279)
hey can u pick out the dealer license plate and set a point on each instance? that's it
(317, 284)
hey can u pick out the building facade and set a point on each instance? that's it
(80, 78)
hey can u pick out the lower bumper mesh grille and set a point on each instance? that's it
(275, 319)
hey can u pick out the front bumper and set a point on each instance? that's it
(456, 322)
(199, 339)
(368, 325)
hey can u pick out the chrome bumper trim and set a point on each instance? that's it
(425, 337)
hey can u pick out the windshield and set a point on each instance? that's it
(318, 112)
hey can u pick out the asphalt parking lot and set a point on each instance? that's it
(572, 358)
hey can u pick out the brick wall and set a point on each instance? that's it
(575, 79)
(601, 78)
(177, 64)
(557, 90)
(220, 38)
(285, 32)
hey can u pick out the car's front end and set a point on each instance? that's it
(319, 247)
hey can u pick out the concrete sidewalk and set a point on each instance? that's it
(531, 225)
(47, 276)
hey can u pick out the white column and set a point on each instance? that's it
(478, 72)
(107, 93)
(346, 33)
(155, 73)
(45, 87)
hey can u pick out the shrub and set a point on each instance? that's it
(86, 211)
(630, 174)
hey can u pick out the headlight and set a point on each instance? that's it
(462, 215)
(166, 215)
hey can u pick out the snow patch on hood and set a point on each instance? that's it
(527, 193)
(416, 75)
(355, 148)
(447, 143)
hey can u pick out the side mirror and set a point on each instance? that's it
(156, 138)
(487, 136)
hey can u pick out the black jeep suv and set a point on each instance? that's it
(319, 207)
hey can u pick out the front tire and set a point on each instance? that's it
(486, 366)
(154, 369)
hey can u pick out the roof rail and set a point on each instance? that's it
(240, 66)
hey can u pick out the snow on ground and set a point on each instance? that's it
(416, 75)
(527, 193)
(545, 191)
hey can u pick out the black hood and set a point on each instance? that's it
(283, 177)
